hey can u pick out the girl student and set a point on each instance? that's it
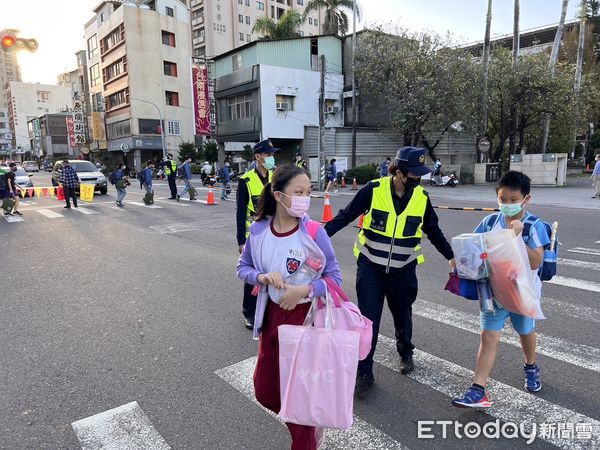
(281, 238)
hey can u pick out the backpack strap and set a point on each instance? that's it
(312, 226)
(490, 221)
(528, 225)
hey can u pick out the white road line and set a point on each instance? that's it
(13, 219)
(557, 348)
(362, 435)
(118, 208)
(579, 264)
(585, 251)
(597, 242)
(125, 427)
(585, 285)
(144, 205)
(579, 312)
(49, 213)
(509, 404)
(85, 211)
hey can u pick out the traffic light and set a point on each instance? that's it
(10, 42)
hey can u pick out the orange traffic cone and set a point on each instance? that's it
(327, 212)
(361, 219)
(354, 185)
(210, 200)
(343, 182)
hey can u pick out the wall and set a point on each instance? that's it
(544, 170)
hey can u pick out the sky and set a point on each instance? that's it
(58, 24)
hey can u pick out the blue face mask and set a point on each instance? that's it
(510, 209)
(269, 162)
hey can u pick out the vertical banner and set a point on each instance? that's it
(71, 131)
(98, 131)
(201, 100)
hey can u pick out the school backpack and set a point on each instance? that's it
(112, 178)
(181, 171)
(548, 268)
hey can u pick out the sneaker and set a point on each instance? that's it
(407, 365)
(363, 383)
(18, 213)
(533, 382)
(474, 398)
(249, 323)
(7, 213)
(67, 207)
(178, 197)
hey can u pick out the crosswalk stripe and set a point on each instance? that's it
(144, 205)
(49, 213)
(579, 264)
(585, 251)
(585, 285)
(85, 211)
(362, 434)
(597, 242)
(557, 348)
(13, 219)
(509, 404)
(579, 312)
(124, 427)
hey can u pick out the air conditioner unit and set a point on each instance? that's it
(282, 106)
(333, 110)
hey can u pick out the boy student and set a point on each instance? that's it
(513, 190)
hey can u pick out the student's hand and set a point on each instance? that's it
(517, 227)
(273, 278)
(452, 264)
(293, 295)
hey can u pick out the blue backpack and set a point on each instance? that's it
(548, 267)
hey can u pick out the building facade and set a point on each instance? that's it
(53, 136)
(9, 71)
(5, 134)
(139, 69)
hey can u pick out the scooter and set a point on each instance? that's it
(444, 180)
(209, 180)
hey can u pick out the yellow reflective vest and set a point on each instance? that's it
(171, 167)
(255, 189)
(389, 240)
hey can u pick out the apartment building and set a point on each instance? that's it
(5, 134)
(139, 70)
(222, 25)
(9, 71)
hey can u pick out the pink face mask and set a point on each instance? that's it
(299, 207)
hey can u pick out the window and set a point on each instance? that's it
(149, 126)
(170, 68)
(240, 2)
(168, 38)
(310, 20)
(300, 2)
(239, 107)
(284, 102)
(199, 33)
(117, 99)
(116, 69)
(169, 11)
(240, 18)
(316, 22)
(248, 38)
(247, 2)
(248, 20)
(92, 45)
(260, 6)
(101, 17)
(95, 75)
(174, 127)
(114, 38)
(43, 96)
(119, 129)
(236, 61)
(172, 98)
(242, 37)
(97, 102)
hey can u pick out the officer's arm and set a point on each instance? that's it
(360, 204)
(241, 199)
(434, 233)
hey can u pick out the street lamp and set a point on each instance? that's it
(162, 131)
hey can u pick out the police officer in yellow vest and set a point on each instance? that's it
(250, 187)
(170, 167)
(388, 248)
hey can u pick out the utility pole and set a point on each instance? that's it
(354, 108)
(514, 112)
(320, 152)
(579, 66)
(486, 67)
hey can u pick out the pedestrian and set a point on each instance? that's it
(207, 170)
(147, 178)
(331, 173)
(250, 188)
(225, 180)
(186, 174)
(170, 168)
(121, 183)
(514, 193)
(70, 181)
(300, 162)
(10, 192)
(397, 211)
(278, 236)
(596, 177)
(385, 166)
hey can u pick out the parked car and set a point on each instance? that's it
(23, 179)
(30, 166)
(87, 173)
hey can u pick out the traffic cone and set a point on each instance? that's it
(210, 200)
(354, 185)
(343, 182)
(361, 219)
(327, 212)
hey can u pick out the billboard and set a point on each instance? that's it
(201, 100)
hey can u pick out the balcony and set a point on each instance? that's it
(196, 3)
(198, 40)
(198, 21)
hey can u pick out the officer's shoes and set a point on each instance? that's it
(407, 365)
(249, 323)
(363, 383)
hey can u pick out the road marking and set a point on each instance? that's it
(49, 213)
(579, 264)
(13, 219)
(179, 227)
(362, 434)
(585, 285)
(509, 404)
(118, 208)
(597, 242)
(557, 348)
(125, 427)
(144, 205)
(172, 202)
(85, 211)
(580, 312)
(585, 251)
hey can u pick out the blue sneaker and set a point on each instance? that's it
(533, 382)
(474, 398)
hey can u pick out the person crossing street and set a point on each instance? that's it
(69, 180)
(186, 170)
(170, 168)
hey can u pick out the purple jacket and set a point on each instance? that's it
(249, 265)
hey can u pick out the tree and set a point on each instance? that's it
(336, 20)
(187, 149)
(288, 26)
(486, 66)
(211, 151)
(593, 8)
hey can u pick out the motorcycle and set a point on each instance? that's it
(209, 180)
(444, 180)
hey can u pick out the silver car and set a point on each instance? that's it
(87, 173)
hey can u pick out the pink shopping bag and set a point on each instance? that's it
(317, 374)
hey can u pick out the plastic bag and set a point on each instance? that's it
(513, 281)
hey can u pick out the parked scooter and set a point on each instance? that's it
(444, 180)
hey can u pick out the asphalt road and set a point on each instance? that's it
(110, 306)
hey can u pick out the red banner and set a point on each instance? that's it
(71, 131)
(201, 100)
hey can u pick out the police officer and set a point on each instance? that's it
(170, 167)
(250, 187)
(396, 212)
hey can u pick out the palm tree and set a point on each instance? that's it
(288, 26)
(336, 20)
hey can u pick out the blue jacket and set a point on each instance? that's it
(119, 174)
(148, 176)
(187, 170)
(226, 174)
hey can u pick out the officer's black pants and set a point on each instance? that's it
(172, 185)
(400, 289)
(249, 302)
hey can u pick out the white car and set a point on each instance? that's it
(22, 178)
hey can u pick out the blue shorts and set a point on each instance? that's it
(494, 321)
